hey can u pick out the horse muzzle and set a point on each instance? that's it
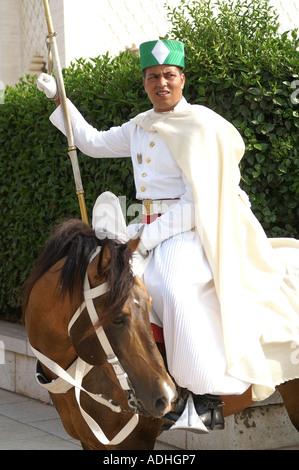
(160, 402)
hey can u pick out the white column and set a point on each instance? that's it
(10, 54)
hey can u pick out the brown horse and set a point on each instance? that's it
(54, 292)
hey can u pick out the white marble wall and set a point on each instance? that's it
(10, 41)
(17, 363)
(87, 29)
(23, 36)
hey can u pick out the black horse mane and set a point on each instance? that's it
(75, 240)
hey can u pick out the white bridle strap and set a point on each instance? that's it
(93, 425)
(74, 376)
(68, 379)
(81, 369)
(89, 295)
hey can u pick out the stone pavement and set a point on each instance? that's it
(29, 424)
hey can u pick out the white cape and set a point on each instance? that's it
(256, 278)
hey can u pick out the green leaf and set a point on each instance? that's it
(254, 91)
(261, 146)
(279, 101)
(282, 167)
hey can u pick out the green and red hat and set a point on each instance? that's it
(162, 52)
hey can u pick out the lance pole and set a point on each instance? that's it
(72, 150)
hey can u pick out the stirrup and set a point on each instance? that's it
(189, 420)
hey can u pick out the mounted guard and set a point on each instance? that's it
(224, 297)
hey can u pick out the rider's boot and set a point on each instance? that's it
(201, 413)
(209, 409)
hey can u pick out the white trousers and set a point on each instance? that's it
(181, 285)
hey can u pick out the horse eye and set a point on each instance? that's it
(120, 320)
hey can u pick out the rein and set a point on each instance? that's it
(75, 374)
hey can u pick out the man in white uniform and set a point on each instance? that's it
(193, 209)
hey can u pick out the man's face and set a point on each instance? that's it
(164, 85)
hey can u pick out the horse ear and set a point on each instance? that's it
(106, 256)
(134, 242)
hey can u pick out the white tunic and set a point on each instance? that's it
(157, 176)
(178, 277)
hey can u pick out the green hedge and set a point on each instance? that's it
(37, 186)
(236, 64)
(240, 66)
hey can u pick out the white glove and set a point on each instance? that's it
(142, 250)
(48, 85)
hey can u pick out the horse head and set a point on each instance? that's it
(123, 313)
